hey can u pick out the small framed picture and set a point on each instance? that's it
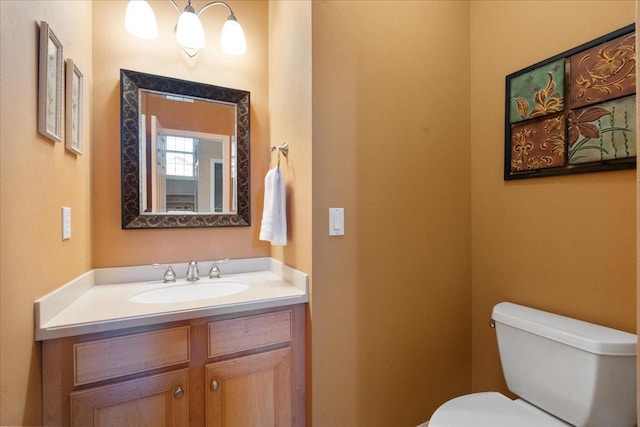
(74, 99)
(50, 84)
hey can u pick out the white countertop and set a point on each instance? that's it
(99, 300)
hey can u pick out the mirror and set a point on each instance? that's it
(185, 153)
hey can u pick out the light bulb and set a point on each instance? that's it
(232, 38)
(140, 21)
(189, 32)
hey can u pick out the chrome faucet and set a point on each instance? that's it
(169, 274)
(214, 273)
(192, 272)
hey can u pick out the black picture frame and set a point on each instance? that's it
(519, 166)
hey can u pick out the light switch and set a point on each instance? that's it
(336, 221)
(66, 223)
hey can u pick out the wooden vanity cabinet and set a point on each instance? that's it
(251, 390)
(238, 370)
(156, 400)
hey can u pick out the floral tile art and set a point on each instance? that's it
(603, 132)
(604, 72)
(538, 92)
(538, 145)
(574, 112)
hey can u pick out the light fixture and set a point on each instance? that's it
(189, 32)
(140, 21)
(232, 38)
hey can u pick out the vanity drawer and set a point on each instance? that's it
(245, 333)
(113, 357)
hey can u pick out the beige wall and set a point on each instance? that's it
(113, 49)
(290, 120)
(563, 244)
(38, 178)
(391, 299)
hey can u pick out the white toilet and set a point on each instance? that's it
(566, 372)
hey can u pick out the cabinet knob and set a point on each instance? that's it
(215, 385)
(178, 393)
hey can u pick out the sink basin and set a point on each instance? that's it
(190, 292)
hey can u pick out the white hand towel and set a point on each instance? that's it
(274, 215)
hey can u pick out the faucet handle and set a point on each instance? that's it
(214, 273)
(169, 274)
(192, 272)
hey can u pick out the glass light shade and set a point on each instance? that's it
(232, 38)
(140, 21)
(189, 32)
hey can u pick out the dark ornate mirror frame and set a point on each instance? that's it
(132, 218)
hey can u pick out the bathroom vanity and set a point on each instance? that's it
(225, 361)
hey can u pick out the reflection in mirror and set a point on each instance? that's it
(185, 153)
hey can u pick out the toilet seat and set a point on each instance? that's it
(491, 409)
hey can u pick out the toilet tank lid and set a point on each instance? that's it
(576, 333)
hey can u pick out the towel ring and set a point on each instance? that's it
(282, 149)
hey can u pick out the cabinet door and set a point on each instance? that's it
(158, 400)
(250, 391)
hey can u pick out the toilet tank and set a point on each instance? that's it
(582, 373)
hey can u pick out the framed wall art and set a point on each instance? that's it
(74, 102)
(574, 112)
(50, 88)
